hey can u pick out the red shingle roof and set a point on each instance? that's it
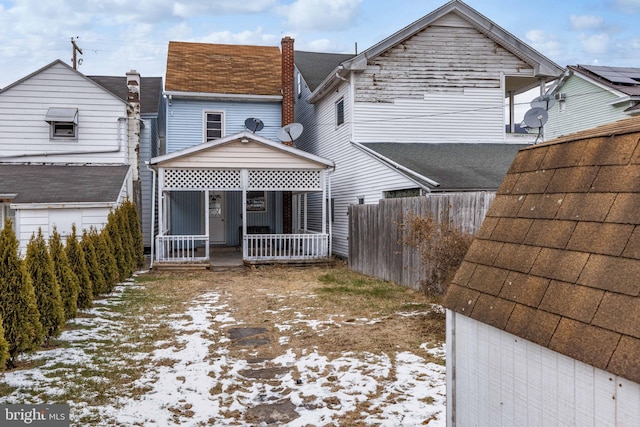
(223, 69)
(557, 259)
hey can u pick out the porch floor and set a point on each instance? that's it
(230, 259)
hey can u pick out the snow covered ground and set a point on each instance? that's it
(193, 380)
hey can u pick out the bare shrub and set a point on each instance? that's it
(441, 245)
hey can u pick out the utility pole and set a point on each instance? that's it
(75, 49)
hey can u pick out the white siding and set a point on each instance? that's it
(356, 173)
(498, 379)
(23, 129)
(586, 106)
(462, 116)
(185, 120)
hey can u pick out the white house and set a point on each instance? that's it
(592, 95)
(68, 150)
(543, 313)
(420, 111)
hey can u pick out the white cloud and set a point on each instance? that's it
(324, 15)
(544, 42)
(595, 43)
(629, 7)
(585, 22)
(256, 37)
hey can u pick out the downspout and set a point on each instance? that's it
(153, 213)
(66, 153)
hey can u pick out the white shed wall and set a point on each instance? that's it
(498, 379)
(23, 129)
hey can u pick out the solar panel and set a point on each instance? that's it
(619, 75)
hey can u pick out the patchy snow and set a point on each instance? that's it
(192, 379)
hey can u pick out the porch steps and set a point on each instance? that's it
(179, 266)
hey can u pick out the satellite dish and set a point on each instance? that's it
(536, 117)
(290, 133)
(254, 125)
(543, 101)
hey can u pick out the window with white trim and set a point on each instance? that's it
(213, 125)
(6, 212)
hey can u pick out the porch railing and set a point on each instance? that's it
(272, 247)
(182, 248)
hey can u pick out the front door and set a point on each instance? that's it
(217, 235)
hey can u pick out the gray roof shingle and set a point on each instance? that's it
(315, 67)
(150, 90)
(454, 166)
(62, 183)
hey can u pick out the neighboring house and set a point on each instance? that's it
(152, 129)
(592, 95)
(219, 181)
(543, 313)
(68, 149)
(421, 111)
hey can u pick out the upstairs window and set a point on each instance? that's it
(63, 122)
(213, 126)
(340, 112)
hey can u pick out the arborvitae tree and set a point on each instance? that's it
(79, 267)
(41, 269)
(127, 240)
(21, 320)
(108, 260)
(67, 279)
(4, 348)
(95, 272)
(113, 228)
(136, 232)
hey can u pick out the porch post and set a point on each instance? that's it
(244, 182)
(160, 248)
(323, 183)
(206, 222)
(328, 187)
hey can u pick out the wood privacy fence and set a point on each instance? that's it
(376, 234)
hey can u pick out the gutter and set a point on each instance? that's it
(396, 165)
(63, 205)
(170, 95)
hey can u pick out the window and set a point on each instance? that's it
(299, 85)
(213, 126)
(361, 200)
(256, 201)
(409, 192)
(340, 112)
(6, 212)
(63, 122)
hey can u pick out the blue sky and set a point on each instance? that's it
(119, 35)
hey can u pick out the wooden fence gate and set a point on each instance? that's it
(376, 235)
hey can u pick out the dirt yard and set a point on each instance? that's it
(270, 346)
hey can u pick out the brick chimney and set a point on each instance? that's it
(287, 118)
(287, 82)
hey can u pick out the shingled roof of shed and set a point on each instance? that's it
(557, 258)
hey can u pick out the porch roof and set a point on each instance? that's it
(242, 150)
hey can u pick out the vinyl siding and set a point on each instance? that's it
(148, 142)
(356, 173)
(185, 120)
(23, 129)
(504, 380)
(587, 106)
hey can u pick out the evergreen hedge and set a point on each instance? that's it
(106, 259)
(99, 286)
(21, 319)
(4, 348)
(79, 266)
(67, 279)
(45, 284)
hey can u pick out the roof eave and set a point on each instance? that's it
(222, 96)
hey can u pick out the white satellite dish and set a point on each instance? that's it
(536, 117)
(290, 133)
(253, 124)
(543, 101)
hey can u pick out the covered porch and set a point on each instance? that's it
(232, 193)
